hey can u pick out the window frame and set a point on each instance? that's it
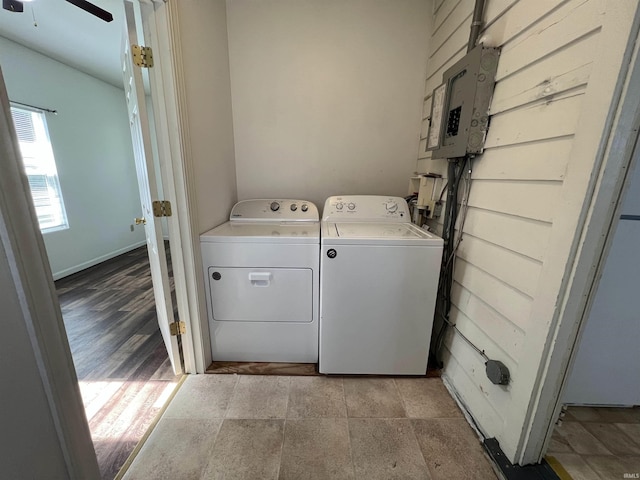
(41, 150)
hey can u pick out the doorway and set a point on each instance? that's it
(598, 435)
(113, 343)
(123, 370)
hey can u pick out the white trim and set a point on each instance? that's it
(162, 26)
(40, 312)
(594, 232)
(95, 261)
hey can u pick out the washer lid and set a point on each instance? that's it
(369, 233)
(237, 232)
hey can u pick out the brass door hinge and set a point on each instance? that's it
(177, 328)
(142, 56)
(161, 208)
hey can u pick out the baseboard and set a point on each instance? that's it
(540, 471)
(94, 261)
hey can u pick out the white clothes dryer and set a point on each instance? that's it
(378, 285)
(262, 282)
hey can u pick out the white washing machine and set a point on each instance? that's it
(378, 286)
(262, 282)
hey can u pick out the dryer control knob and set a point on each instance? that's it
(275, 206)
(392, 207)
(339, 206)
(294, 207)
(351, 206)
(304, 207)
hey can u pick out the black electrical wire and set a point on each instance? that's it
(455, 327)
(456, 168)
(444, 189)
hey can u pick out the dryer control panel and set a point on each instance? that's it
(274, 210)
(366, 208)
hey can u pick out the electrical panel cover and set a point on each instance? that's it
(460, 105)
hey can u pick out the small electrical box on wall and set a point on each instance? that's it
(460, 105)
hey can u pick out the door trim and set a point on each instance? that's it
(162, 33)
(601, 214)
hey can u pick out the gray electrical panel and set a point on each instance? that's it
(460, 105)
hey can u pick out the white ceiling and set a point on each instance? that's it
(70, 35)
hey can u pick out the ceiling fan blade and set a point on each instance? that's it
(92, 9)
(13, 5)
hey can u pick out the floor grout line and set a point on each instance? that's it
(362, 433)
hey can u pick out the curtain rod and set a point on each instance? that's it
(55, 112)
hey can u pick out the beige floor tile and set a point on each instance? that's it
(614, 468)
(259, 396)
(372, 397)
(427, 398)
(451, 449)
(316, 449)
(558, 444)
(385, 449)
(312, 397)
(576, 466)
(632, 430)
(580, 440)
(616, 441)
(246, 449)
(177, 448)
(202, 396)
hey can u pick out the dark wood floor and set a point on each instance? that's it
(120, 359)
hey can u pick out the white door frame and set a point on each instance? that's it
(161, 26)
(616, 153)
(161, 30)
(40, 312)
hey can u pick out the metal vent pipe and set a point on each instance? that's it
(476, 24)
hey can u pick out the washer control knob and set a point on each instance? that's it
(339, 206)
(304, 207)
(294, 207)
(275, 206)
(391, 207)
(351, 206)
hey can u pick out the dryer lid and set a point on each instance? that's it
(237, 232)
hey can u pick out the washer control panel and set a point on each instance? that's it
(274, 210)
(362, 208)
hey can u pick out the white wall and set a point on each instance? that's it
(92, 146)
(555, 82)
(205, 60)
(326, 95)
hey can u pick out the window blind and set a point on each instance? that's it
(40, 166)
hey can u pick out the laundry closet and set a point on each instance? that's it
(318, 100)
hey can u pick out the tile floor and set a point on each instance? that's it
(598, 443)
(262, 427)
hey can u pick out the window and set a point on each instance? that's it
(40, 165)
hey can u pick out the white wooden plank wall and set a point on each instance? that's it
(544, 68)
